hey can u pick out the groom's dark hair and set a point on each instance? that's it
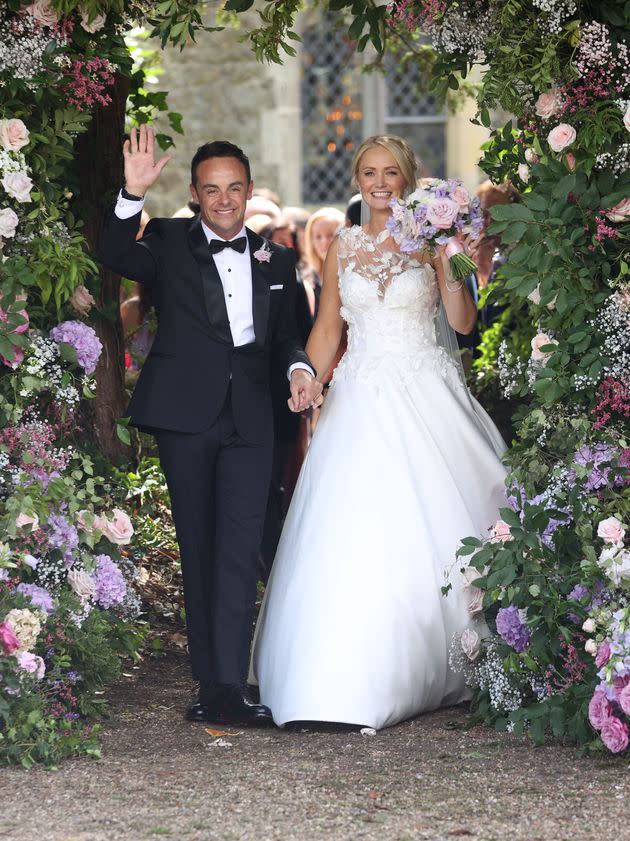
(219, 149)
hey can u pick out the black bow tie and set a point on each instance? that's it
(239, 244)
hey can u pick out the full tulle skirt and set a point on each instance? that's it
(354, 626)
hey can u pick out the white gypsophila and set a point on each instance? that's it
(555, 12)
(11, 162)
(612, 321)
(511, 371)
(51, 573)
(617, 162)
(23, 44)
(486, 673)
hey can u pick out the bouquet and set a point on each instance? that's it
(438, 214)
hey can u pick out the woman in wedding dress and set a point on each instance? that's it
(403, 464)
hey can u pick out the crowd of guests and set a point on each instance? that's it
(309, 234)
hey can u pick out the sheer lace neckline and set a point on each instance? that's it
(367, 254)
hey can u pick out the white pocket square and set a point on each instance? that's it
(277, 286)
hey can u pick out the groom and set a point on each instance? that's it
(225, 302)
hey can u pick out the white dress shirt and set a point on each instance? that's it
(235, 271)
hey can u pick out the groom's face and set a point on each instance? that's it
(221, 189)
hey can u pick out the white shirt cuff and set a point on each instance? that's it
(126, 208)
(300, 366)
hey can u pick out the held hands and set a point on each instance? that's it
(306, 391)
(141, 170)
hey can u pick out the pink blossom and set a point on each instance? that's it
(442, 213)
(548, 104)
(470, 643)
(603, 654)
(8, 639)
(8, 222)
(599, 709)
(117, 529)
(18, 185)
(561, 136)
(570, 161)
(43, 12)
(31, 663)
(539, 341)
(530, 156)
(31, 520)
(624, 699)
(614, 734)
(501, 532)
(13, 134)
(82, 300)
(263, 255)
(461, 195)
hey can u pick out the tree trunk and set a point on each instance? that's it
(99, 164)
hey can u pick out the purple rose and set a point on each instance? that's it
(603, 654)
(442, 212)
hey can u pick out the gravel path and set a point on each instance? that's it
(426, 779)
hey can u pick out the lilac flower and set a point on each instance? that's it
(38, 595)
(512, 629)
(110, 584)
(30, 561)
(595, 456)
(83, 339)
(63, 536)
(577, 594)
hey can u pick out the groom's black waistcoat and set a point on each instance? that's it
(184, 381)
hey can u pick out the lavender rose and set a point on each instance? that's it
(599, 709)
(81, 300)
(470, 643)
(561, 136)
(624, 699)
(13, 134)
(18, 185)
(614, 734)
(442, 213)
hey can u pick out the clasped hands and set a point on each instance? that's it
(306, 391)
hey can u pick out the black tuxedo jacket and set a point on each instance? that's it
(184, 380)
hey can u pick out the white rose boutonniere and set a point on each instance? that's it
(263, 255)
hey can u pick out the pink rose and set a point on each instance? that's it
(530, 156)
(599, 709)
(18, 185)
(626, 119)
(13, 134)
(570, 161)
(614, 734)
(8, 222)
(462, 197)
(27, 520)
(561, 136)
(441, 213)
(603, 654)
(81, 300)
(475, 594)
(501, 533)
(42, 12)
(470, 643)
(612, 531)
(263, 255)
(620, 212)
(31, 663)
(624, 699)
(8, 640)
(82, 583)
(548, 104)
(91, 26)
(537, 343)
(18, 358)
(118, 528)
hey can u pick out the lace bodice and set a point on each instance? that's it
(389, 301)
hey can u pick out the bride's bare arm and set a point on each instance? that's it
(460, 307)
(326, 333)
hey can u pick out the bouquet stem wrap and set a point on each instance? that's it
(461, 264)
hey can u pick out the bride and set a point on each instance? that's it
(403, 464)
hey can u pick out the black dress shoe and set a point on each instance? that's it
(230, 703)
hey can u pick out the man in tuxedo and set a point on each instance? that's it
(225, 302)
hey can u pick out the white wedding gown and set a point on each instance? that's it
(354, 627)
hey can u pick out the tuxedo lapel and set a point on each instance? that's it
(212, 286)
(260, 288)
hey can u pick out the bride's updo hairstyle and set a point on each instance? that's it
(399, 149)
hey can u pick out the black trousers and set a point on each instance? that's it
(218, 485)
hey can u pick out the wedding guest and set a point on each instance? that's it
(138, 321)
(299, 216)
(261, 204)
(320, 231)
(267, 193)
(187, 211)
(259, 221)
(353, 211)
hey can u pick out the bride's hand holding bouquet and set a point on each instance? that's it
(440, 216)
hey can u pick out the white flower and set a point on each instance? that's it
(589, 626)
(534, 296)
(590, 647)
(611, 530)
(13, 134)
(539, 341)
(523, 173)
(26, 626)
(18, 185)
(82, 583)
(470, 643)
(626, 119)
(31, 520)
(8, 222)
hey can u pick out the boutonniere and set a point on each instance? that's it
(263, 255)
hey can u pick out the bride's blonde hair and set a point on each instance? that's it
(399, 149)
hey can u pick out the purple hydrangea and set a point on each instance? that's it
(39, 597)
(83, 339)
(110, 584)
(62, 535)
(512, 629)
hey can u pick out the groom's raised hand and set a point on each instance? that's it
(141, 170)
(306, 391)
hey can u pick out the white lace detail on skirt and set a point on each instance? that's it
(389, 301)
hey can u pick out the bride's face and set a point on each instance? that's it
(379, 178)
